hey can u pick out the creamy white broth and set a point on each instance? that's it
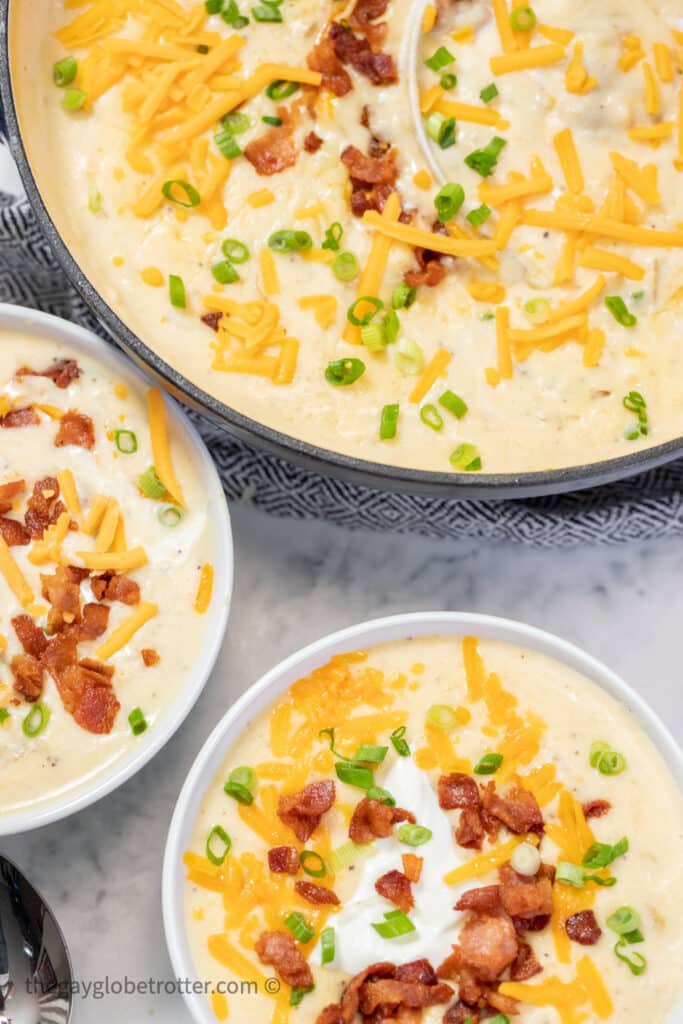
(66, 757)
(646, 807)
(554, 412)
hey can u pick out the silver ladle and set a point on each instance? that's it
(35, 968)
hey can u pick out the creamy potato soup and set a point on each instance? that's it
(105, 568)
(457, 248)
(439, 830)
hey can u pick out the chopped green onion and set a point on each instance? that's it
(479, 216)
(454, 403)
(431, 417)
(448, 201)
(176, 291)
(635, 403)
(347, 855)
(150, 484)
(441, 129)
(606, 882)
(281, 90)
(297, 993)
(312, 863)
(345, 266)
(290, 241)
(4, 715)
(64, 72)
(213, 6)
(126, 441)
(409, 357)
(403, 296)
(354, 775)
(448, 81)
(500, 1018)
(636, 962)
(372, 336)
(523, 19)
(74, 99)
(601, 855)
(327, 946)
(484, 160)
(624, 921)
(538, 310)
(371, 754)
(203, 49)
(239, 793)
(333, 237)
(227, 144)
(570, 874)
(606, 760)
(342, 372)
(224, 272)
(442, 716)
(36, 720)
(466, 456)
(414, 835)
(489, 764)
(267, 12)
(243, 776)
(330, 733)
(489, 93)
(360, 321)
(236, 122)
(299, 927)
(275, 122)
(620, 311)
(399, 742)
(441, 58)
(94, 198)
(637, 296)
(391, 325)
(137, 721)
(395, 924)
(231, 16)
(383, 796)
(190, 193)
(170, 516)
(235, 251)
(216, 836)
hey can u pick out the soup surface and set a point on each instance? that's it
(101, 560)
(234, 182)
(477, 824)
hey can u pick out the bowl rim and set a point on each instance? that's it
(357, 471)
(44, 325)
(262, 693)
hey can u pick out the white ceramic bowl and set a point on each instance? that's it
(79, 340)
(263, 693)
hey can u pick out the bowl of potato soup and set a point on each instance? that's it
(432, 246)
(435, 817)
(115, 569)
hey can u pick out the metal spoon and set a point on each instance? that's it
(35, 968)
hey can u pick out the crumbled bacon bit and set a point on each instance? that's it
(14, 533)
(470, 829)
(457, 791)
(43, 507)
(461, 1013)
(379, 68)
(485, 899)
(110, 587)
(524, 897)
(30, 636)
(389, 993)
(150, 657)
(274, 151)
(362, 17)
(94, 622)
(378, 170)
(279, 950)
(15, 418)
(28, 676)
(302, 811)
(323, 59)
(212, 320)
(312, 142)
(412, 866)
(596, 808)
(430, 271)
(62, 372)
(518, 810)
(583, 928)
(420, 971)
(283, 860)
(97, 709)
(316, 894)
(525, 965)
(64, 595)
(488, 944)
(383, 991)
(373, 820)
(396, 887)
(75, 428)
(531, 924)
(10, 491)
(504, 1004)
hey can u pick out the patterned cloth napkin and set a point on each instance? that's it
(648, 506)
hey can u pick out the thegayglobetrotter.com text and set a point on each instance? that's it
(101, 988)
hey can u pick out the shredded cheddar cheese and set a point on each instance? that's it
(371, 279)
(67, 486)
(205, 589)
(161, 448)
(114, 561)
(125, 632)
(14, 577)
(523, 60)
(436, 368)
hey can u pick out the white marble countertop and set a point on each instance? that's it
(296, 582)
